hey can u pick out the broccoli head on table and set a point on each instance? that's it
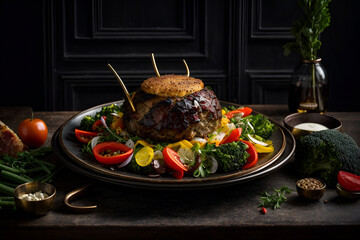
(323, 154)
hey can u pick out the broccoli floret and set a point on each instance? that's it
(107, 110)
(322, 154)
(231, 156)
(262, 126)
(86, 123)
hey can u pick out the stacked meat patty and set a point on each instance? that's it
(172, 108)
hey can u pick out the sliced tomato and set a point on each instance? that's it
(234, 135)
(98, 126)
(110, 148)
(84, 136)
(178, 174)
(349, 181)
(245, 111)
(253, 158)
(172, 160)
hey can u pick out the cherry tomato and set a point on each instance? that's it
(33, 132)
(172, 160)
(102, 149)
(349, 181)
(98, 126)
(253, 158)
(245, 111)
(84, 136)
(234, 135)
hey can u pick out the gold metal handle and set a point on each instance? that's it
(123, 87)
(74, 195)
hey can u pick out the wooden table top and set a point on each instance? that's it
(229, 212)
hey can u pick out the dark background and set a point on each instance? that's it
(53, 54)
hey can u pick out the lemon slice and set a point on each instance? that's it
(144, 156)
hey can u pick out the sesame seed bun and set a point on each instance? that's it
(172, 85)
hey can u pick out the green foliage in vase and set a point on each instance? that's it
(307, 30)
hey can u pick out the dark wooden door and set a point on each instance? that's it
(235, 46)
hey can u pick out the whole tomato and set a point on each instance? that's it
(33, 132)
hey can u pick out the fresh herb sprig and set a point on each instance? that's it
(275, 199)
(307, 30)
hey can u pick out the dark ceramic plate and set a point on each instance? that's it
(281, 161)
(69, 148)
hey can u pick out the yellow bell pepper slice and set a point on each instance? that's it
(144, 156)
(143, 143)
(217, 142)
(262, 149)
(224, 121)
(182, 143)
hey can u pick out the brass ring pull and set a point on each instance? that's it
(75, 194)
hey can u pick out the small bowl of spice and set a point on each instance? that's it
(35, 197)
(310, 188)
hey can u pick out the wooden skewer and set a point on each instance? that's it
(154, 65)
(123, 87)
(187, 68)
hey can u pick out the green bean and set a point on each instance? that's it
(6, 190)
(15, 178)
(9, 169)
(9, 184)
(6, 198)
(7, 203)
(35, 169)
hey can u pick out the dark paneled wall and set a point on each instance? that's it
(54, 53)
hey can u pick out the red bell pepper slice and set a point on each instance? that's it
(84, 136)
(111, 147)
(98, 126)
(178, 174)
(349, 181)
(172, 160)
(253, 158)
(234, 135)
(245, 111)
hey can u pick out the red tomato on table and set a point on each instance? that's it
(33, 132)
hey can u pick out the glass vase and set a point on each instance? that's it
(309, 88)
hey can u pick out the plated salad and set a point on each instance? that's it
(236, 145)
